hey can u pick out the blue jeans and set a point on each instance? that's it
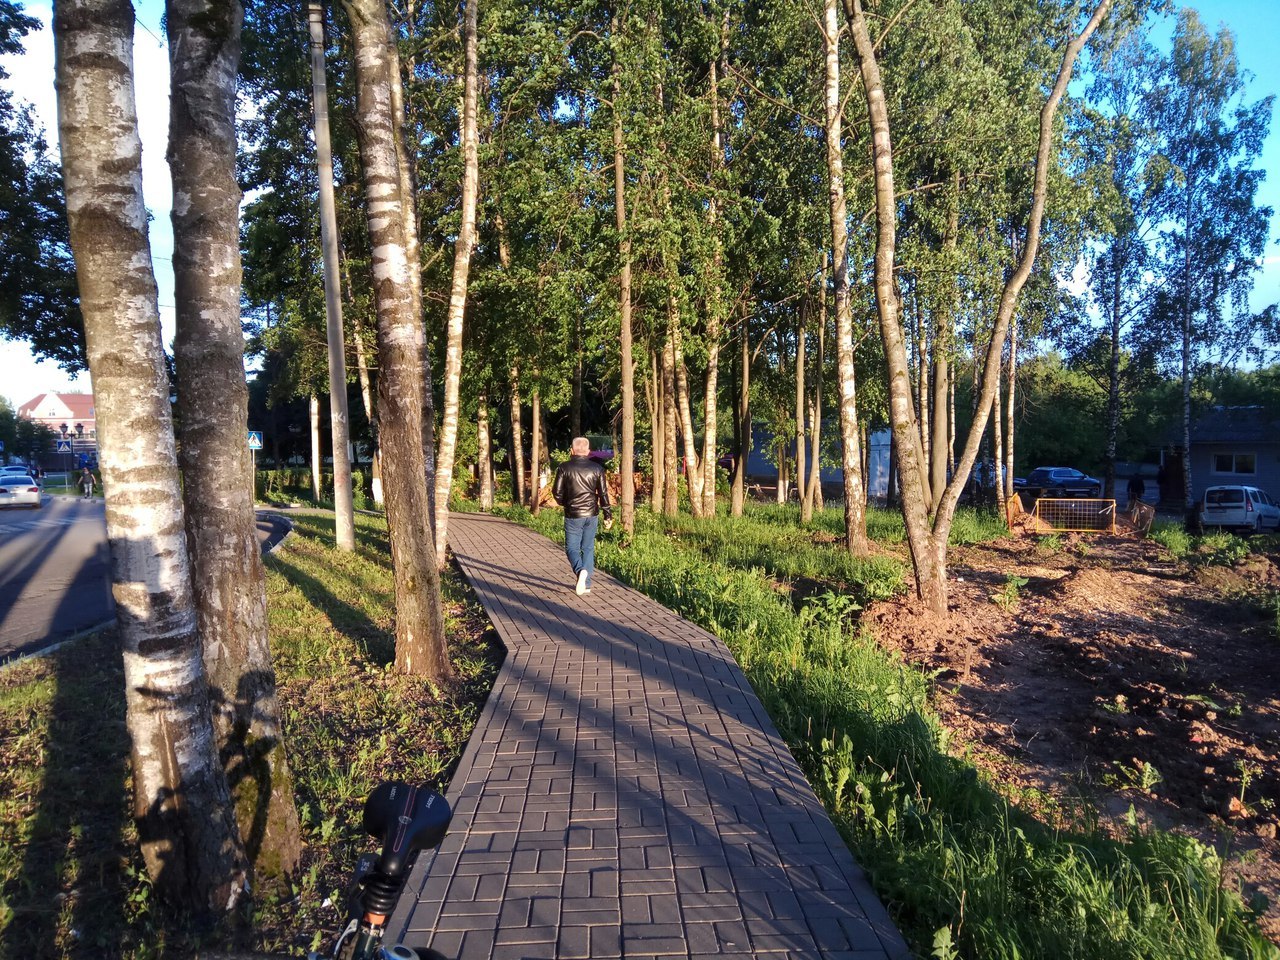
(580, 543)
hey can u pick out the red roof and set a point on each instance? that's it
(80, 405)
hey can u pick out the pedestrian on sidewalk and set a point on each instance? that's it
(86, 482)
(579, 488)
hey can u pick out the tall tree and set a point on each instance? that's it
(226, 563)
(626, 365)
(855, 522)
(420, 640)
(37, 276)
(185, 820)
(343, 506)
(468, 141)
(1216, 234)
(927, 536)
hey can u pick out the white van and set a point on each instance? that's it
(1235, 505)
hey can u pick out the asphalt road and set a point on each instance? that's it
(54, 572)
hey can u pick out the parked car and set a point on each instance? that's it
(19, 490)
(1058, 482)
(1239, 506)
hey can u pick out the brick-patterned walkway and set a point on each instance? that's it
(624, 793)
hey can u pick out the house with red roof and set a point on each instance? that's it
(69, 415)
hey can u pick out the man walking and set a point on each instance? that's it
(579, 488)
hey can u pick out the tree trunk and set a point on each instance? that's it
(420, 640)
(343, 508)
(855, 521)
(186, 824)
(939, 447)
(670, 419)
(1009, 427)
(535, 451)
(801, 401)
(742, 426)
(366, 397)
(317, 454)
(1113, 385)
(575, 399)
(922, 391)
(626, 366)
(484, 453)
(684, 404)
(517, 440)
(813, 490)
(403, 183)
(213, 398)
(458, 294)
(1187, 494)
(711, 382)
(657, 432)
(997, 444)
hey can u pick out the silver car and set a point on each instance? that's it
(19, 490)
(1240, 506)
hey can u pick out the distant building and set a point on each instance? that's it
(1234, 445)
(70, 416)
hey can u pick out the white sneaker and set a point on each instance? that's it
(582, 583)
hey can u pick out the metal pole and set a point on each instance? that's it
(344, 519)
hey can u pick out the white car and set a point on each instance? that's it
(1239, 506)
(19, 490)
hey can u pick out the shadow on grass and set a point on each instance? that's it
(73, 874)
(353, 623)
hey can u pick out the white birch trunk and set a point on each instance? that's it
(420, 639)
(850, 456)
(189, 839)
(213, 398)
(458, 294)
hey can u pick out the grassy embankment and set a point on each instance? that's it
(965, 871)
(71, 881)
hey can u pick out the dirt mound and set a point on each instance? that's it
(1103, 672)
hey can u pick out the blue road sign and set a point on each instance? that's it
(255, 439)
(64, 446)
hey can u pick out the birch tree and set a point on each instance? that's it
(186, 824)
(855, 521)
(226, 561)
(927, 535)
(420, 640)
(469, 143)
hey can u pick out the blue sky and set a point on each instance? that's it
(1255, 23)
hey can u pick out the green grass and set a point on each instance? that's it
(1214, 548)
(965, 872)
(350, 721)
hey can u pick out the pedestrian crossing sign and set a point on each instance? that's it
(255, 439)
(64, 446)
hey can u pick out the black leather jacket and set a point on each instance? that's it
(579, 488)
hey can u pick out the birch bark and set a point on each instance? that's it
(186, 824)
(420, 640)
(213, 397)
(458, 294)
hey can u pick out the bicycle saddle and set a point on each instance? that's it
(405, 819)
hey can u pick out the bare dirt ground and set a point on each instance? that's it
(1115, 676)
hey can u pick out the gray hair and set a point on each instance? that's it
(581, 446)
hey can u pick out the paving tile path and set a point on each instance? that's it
(624, 793)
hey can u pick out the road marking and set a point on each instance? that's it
(45, 523)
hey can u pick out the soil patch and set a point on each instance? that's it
(1106, 675)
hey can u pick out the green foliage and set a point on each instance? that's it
(1217, 548)
(293, 485)
(1008, 595)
